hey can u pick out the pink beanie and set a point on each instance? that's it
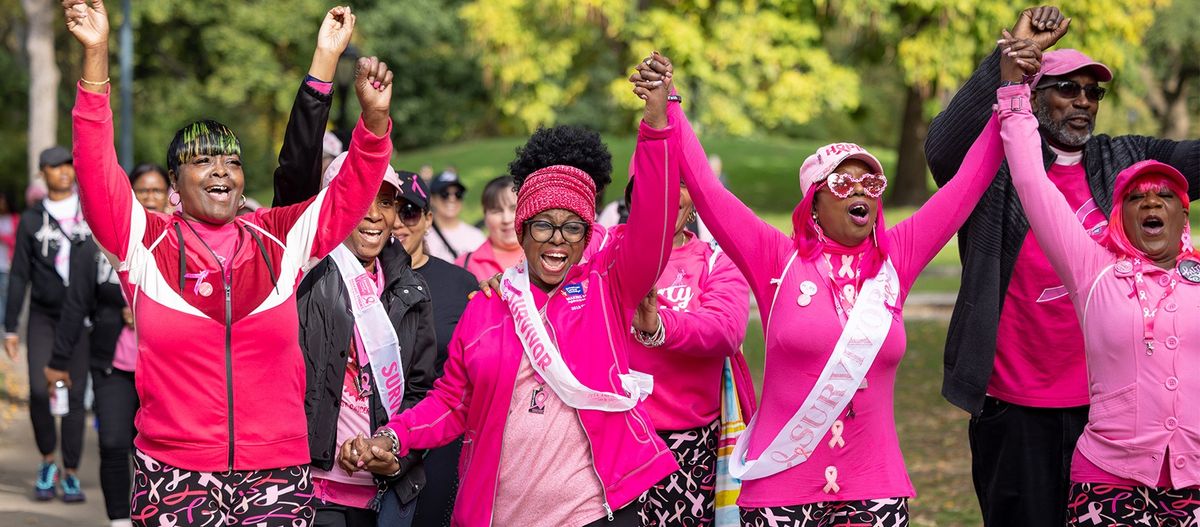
(556, 187)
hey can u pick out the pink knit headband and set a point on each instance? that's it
(556, 187)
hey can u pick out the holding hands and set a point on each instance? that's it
(652, 82)
(1020, 60)
(372, 454)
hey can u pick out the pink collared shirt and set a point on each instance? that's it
(1145, 400)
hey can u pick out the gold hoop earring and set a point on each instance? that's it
(243, 203)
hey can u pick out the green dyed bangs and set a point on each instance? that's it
(201, 138)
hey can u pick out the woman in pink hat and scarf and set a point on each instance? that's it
(822, 447)
(538, 380)
(1136, 290)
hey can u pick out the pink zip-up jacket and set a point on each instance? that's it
(800, 339)
(704, 302)
(1144, 406)
(589, 317)
(220, 374)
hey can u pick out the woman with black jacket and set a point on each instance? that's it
(331, 338)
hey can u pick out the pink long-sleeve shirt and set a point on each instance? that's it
(1144, 405)
(800, 339)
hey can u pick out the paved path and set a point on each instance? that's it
(19, 461)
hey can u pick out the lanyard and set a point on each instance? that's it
(1149, 314)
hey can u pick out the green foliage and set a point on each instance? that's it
(438, 94)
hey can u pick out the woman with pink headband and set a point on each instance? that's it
(1135, 290)
(822, 447)
(538, 380)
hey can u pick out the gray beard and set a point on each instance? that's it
(1058, 132)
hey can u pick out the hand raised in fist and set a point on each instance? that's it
(373, 85)
(336, 30)
(88, 23)
(1044, 25)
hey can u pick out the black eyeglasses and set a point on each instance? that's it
(543, 231)
(1072, 89)
(457, 194)
(410, 214)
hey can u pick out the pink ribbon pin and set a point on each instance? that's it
(836, 430)
(831, 486)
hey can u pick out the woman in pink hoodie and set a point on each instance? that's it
(1136, 291)
(822, 446)
(538, 381)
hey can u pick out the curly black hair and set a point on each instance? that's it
(564, 145)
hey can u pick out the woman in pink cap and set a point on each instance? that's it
(538, 380)
(1135, 290)
(822, 447)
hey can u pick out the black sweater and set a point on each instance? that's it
(992, 237)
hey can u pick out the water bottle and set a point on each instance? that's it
(60, 403)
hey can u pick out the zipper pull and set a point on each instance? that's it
(608, 511)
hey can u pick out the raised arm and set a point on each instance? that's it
(1074, 255)
(108, 202)
(917, 240)
(298, 176)
(642, 253)
(745, 238)
(718, 327)
(319, 225)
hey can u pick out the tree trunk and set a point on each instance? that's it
(1177, 123)
(908, 182)
(43, 79)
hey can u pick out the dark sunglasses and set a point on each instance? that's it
(1072, 89)
(410, 214)
(458, 194)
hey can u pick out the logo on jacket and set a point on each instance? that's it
(575, 293)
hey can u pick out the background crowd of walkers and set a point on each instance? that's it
(356, 354)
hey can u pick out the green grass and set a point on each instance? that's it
(933, 434)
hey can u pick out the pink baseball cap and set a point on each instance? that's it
(1126, 178)
(390, 176)
(1064, 61)
(821, 164)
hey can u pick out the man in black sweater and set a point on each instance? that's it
(1014, 353)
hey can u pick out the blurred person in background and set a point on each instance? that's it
(95, 301)
(8, 240)
(48, 232)
(450, 236)
(502, 249)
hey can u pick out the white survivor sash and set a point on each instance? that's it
(375, 328)
(548, 361)
(866, 328)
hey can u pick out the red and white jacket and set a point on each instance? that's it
(220, 376)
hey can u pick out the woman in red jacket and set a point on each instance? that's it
(221, 431)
